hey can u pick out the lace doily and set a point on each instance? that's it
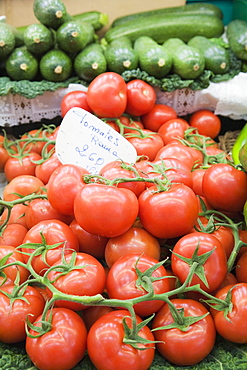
(225, 98)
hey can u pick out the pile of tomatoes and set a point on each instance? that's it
(141, 257)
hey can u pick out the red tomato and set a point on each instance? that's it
(11, 271)
(23, 185)
(86, 280)
(157, 116)
(89, 243)
(197, 178)
(169, 213)
(192, 246)
(74, 99)
(206, 122)
(17, 215)
(225, 187)
(107, 95)
(97, 207)
(123, 281)
(141, 97)
(13, 314)
(13, 234)
(240, 269)
(176, 150)
(174, 128)
(184, 347)
(131, 124)
(147, 143)
(44, 170)
(63, 346)
(134, 240)
(64, 183)
(30, 141)
(117, 169)
(93, 313)
(243, 238)
(232, 325)
(17, 167)
(53, 232)
(4, 156)
(114, 353)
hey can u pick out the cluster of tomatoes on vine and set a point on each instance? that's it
(153, 251)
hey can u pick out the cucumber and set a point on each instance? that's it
(73, 36)
(162, 27)
(96, 18)
(56, 66)
(216, 57)
(121, 56)
(7, 40)
(236, 33)
(195, 8)
(153, 58)
(38, 38)
(51, 13)
(90, 62)
(187, 61)
(21, 65)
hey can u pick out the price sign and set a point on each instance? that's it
(86, 141)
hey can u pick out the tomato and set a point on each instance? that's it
(157, 116)
(169, 213)
(243, 238)
(184, 347)
(134, 240)
(107, 95)
(74, 99)
(197, 178)
(141, 97)
(53, 231)
(24, 166)
(232, 325)
(130, 123)
(117, 169)
(17, 215)
(39, 210)
(230, 279)
(192, 246)
(44, 170)
(34, 145)
(240, 269)
(107, 334)
(176, 150)
(89, 243)
(63, 346)
(64, 183)
(86, 280)
(174, 128)
(225, 187)
(105, 210)
(11, 271)
(206, 122)
(4, 156)
(123, 282)
(147, 143)
(14, 314)
(13, 234)
(23, 185)
(93, 313)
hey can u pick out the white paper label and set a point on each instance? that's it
(86, 141)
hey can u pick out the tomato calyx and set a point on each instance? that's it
(145, 279)
(17, 291)
(225, 305)
(44, 327)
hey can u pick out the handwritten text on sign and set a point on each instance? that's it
(87, 141)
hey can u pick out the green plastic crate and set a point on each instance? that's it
(225, 6)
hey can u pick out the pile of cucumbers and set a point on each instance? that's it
(179, 40)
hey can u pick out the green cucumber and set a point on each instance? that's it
(73, 36)
(236, 33)
(162, 27)
(187, 61)
(121, 56)
(90, 62)
(96, 18)
(38, 38)
(55, 66)
(153, 58)
(216, 57)
(7, 40)
(51, 13)
(21, 65)
(195, 8)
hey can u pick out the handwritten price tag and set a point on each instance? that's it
(86, 141)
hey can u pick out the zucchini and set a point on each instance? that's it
(187, 61)
(121, 56)
(195, 8)
(236, 33)
(7, 40)
(153, 58)
(73, 36)
(162, 27)
(96, 18)
(217, 58)
(21, 65)
(90, 62)
(55, 66)
(51, 13)
(38, 38)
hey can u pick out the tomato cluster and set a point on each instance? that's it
(141, 257)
